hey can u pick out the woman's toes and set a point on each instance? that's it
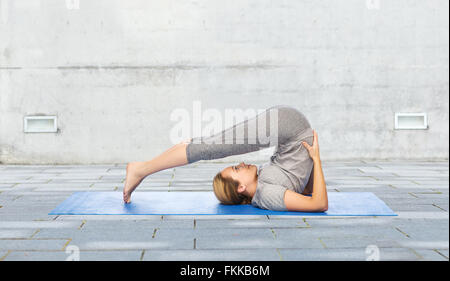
(126, 198)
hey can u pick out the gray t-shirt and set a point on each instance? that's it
(289, 168)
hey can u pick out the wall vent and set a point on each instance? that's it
(411, 121)
(40, 124)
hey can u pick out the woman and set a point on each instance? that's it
(293, 172)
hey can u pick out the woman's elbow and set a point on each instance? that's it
(319, 206)
(323, 208)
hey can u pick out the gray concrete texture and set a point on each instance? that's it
(113, 72)
(418, 191)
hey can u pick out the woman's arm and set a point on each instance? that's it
(318, 202)
(309, 186)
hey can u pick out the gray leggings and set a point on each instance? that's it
(276, 125)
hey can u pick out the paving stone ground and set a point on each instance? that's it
(418, 191)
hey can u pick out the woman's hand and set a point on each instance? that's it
(314, 149)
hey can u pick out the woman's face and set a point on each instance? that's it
(243, 173)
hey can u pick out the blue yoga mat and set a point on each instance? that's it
(205, 203)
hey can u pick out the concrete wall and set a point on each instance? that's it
(113, 71)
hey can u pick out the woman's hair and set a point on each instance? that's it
(225, 190)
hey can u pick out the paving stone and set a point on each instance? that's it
(377, 174)
(415, 168)
(103, 230)
(418, 244)
(24, 181)
(113, 178)
(412, 207)
(347, 254)
(334, 174)
(411, 200)
(117, 235)
(284, 240)
(444, 253)
(25, 216)
(6, 189)
(412, 174)
(395, 182)
(362, 182)
(384, 189)
(424, 230)
(110, 238)
(16, 233)
(110, 255)
(215, 255)
(158, 178)
(81, 181)
(442, 206)
(350, 221)
(405, 190)
(420, 194)
(223, 238)
(123, 225)
(359, 186)
(154, 188)
(41, 199)
(349, 230)
(350, 177)
(174, 224)
(3, 254)
(76, 169)
(192, 183)
(154, 183)
(243, 223)
(436, 186)
(394, 195)
(75, 189)
(52, 186)
(32, 244)
(36, 256)
(430, 255)
(424, 215)
(18, 177)
(441, 178)
(13, 171)
(366, 169)
(83, 256)
(36, 199)
(57, 233)
(16, 209)
(358, 242)
(190, 188)
(78, 176)
(46, 176)
(118, 243)
(37, 224)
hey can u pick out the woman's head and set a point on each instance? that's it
(236, 184)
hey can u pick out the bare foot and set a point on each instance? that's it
(133, 179)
